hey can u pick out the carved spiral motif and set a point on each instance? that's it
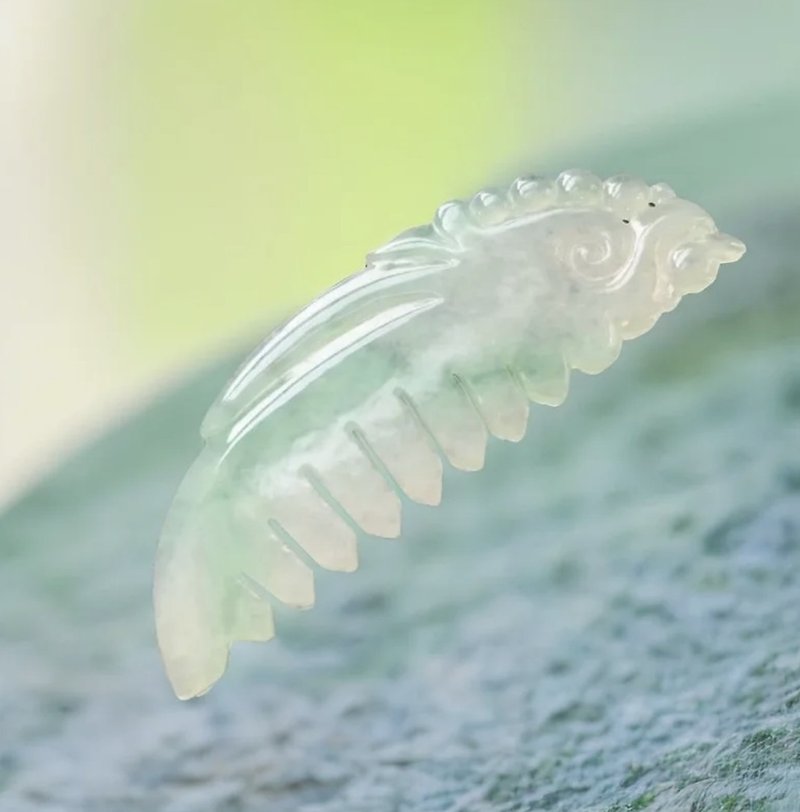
(596, 255)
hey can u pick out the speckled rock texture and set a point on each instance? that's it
(606, 619)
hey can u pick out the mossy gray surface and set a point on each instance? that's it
(606, 618)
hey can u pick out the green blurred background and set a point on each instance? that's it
(176, 175)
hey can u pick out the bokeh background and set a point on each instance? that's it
(605, 618)
(176, 175)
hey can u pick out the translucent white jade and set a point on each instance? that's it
(444, 337)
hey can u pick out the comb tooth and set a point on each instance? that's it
(363, 493)
(544, 378)
(253, 619)
(597, 349)
(452, 420)
(311, 523)
(399, 444)
(277, 568)
(501, 402)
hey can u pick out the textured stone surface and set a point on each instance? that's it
(606, 618)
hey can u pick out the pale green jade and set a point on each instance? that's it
(444, 337)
